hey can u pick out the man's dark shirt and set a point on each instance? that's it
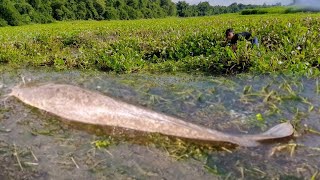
(239, 36)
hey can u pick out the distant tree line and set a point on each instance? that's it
(19, 12)
(205, 9)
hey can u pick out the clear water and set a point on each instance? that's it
(50, 148)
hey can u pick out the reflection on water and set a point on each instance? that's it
(52, 148)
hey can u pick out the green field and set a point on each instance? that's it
(278, 10)
(289, 43)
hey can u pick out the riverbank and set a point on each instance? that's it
(289, 44)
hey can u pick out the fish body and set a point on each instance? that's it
(77, 104)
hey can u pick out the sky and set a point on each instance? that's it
(228, 2)
(310, 3)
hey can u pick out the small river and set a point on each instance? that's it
(37, 145)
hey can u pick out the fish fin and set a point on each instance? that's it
(279, 131)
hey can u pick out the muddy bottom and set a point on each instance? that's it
(37, 145)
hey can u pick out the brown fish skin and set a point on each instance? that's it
(77, 104)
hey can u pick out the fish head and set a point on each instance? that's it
(27, 92)
(37, 94)
(16, 91)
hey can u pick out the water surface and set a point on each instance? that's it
(48, 147)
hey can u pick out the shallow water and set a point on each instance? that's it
(48, 147)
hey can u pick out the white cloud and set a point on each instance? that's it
(228, 2)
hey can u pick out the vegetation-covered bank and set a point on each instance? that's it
(288, 44)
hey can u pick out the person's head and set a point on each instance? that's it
(229, 34)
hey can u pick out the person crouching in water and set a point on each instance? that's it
(233, 38)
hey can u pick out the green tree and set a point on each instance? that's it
(81, 12)
(182, 9)
(91, 10)
(110, 3)
(133, 3)
(111, 13)
(169, 7)
(158, 12)
(142, 4)
(147, 13)
(9, 13)
(133, 13)
(3, 22)
(56, 7)
(100, 7)
(204, 9)
(123, 14)
(233, 8)
(118, 4)
(23, 7)
(43, 11)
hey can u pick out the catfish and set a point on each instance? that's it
(81, 105)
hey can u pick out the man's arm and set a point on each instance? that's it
(234, 47)
(226, 42)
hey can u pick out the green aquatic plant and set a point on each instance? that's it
(259, 117)
(288, 44)
(105, 143)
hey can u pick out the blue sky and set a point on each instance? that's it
(228, 2)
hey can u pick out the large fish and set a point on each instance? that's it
(76, 104)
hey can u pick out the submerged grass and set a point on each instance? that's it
(264, 102)
(270, 103)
